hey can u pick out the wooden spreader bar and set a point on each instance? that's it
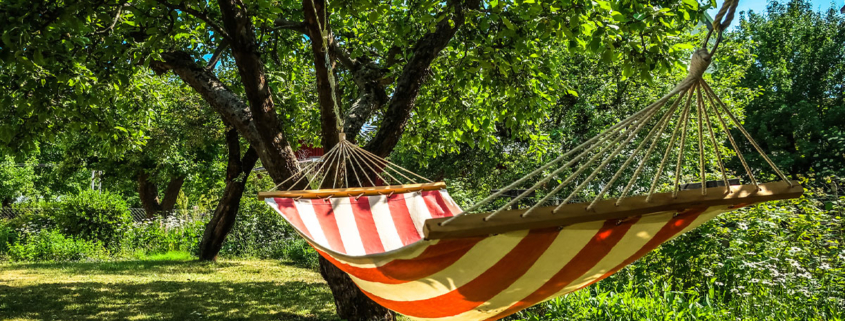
(354, 191)
(508, 221)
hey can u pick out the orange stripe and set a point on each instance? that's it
(402, 219)
(487, 285)
(325, 215)
(288, 208)
(674, 226)
(366, 225)
(604, 240)
(432, 260)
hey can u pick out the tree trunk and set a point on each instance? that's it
(323, 67)
(221, 223)
(351, 304)
(148, 193)
(171, 193)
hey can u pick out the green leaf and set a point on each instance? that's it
(692, 4)
(508, 23)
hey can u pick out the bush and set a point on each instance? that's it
(52, 245)
(258, 232)
(162, 236)
(7, 236)
(94, 216)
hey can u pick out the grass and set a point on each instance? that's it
(171, 286)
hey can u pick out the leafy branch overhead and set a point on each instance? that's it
(85, 54)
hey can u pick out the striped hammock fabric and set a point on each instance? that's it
(378, 241)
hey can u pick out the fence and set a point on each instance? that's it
(138, 214)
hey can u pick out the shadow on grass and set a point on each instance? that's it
(131, 267)
(167, 300)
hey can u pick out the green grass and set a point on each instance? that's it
(170, 286)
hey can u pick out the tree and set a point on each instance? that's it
(16, 179)
(369, 63)
(799, 69)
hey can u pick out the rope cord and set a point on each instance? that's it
(387, 164)
(650, 149)
(598, 147)
(354, 151)
(669, 148)
(303, 171)
(721, 22)
(747, 135)
(327, 169)
(528, 176)
(363, 172)
(727, 131)
(324, 35)
(560, 169)
(681, 148)
(700, 140)
(606, 161)
(718, 153)
(652, 132)
(392, 164)
(383, 166)
(354, 171)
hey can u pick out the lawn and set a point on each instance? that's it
(171, 287)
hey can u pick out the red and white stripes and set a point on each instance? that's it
(368, 224)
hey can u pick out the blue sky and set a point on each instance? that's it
(759, 6)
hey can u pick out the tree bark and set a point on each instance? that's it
(351, 304)
(148, 193)
(278, 158)
(237, 172)
(316, 15)
(171, 192)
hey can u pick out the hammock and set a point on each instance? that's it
(408, 246)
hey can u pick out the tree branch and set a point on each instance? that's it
(413, 75)
(297, 26)
(276, 155)
(114, 22)
(199, 15)
(212, 63)
(273, 147)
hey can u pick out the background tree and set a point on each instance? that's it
(16, 179)
(799, 70)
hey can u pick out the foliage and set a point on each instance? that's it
(8, 236)
(53, 245)
(162, 236)
(15, 181)
(94, 216)
(799, 67)
(259, 232)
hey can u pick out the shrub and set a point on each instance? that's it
(162, 236)
(7, 236)
(94, 216)
(52, 245)
(258, 232)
